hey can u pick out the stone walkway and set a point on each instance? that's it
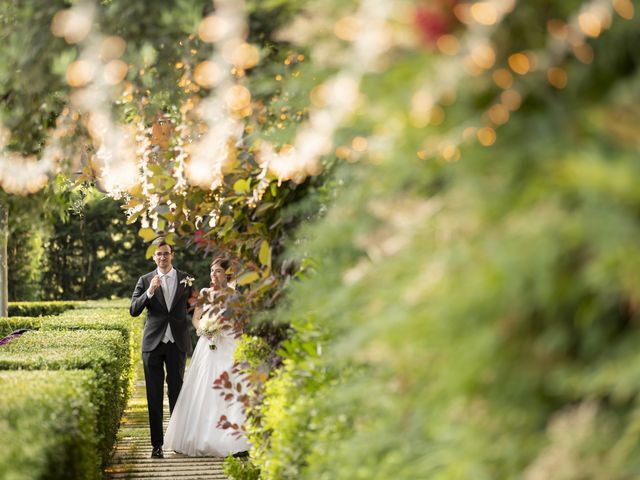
(131, 459)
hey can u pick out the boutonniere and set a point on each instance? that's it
(187, 281)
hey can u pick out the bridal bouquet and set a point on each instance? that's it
(210, 326)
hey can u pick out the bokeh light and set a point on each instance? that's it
(557, 77)
(590, 24)
(483, 56)
(212, 29)
(502, 78)
(112, 47)
(519, 63)
(244, 55)
(448, 44)
(73, 24)
(346, 28)
(80, 73)
(486, 136)
(624, 8)
(484, 13)
(207, 74)
(115, 71)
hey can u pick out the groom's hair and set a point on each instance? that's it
(160, 242)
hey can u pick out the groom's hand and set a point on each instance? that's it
(155, 283)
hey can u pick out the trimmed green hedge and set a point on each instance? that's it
(103, 318)
(11, 324)
(104, 352)
(39, 309)
(97, 318)
(47, 425)
(112, 303)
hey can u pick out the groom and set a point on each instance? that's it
(165, 340)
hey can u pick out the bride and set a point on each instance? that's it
(193, 424)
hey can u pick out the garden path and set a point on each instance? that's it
(133, 448)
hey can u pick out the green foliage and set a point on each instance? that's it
(93, 254)
(238, 469)
(30, 93)
(105, 353)
(38, 309)
(29, 227)
(252, 350)
(25, 253)
(47, 425)
(105, 318)
(10, 324)
(471, 318)
(97, 337)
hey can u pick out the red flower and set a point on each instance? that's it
(434, 21)
(198, 237)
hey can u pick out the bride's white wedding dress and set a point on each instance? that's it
(192, 427)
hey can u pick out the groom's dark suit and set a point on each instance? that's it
(156, 353)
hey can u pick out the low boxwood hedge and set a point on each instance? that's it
(48, 425)
(38, 309)
(105, 352)
(106, 303)
(11, 324)
(104, 319)
(99, 318)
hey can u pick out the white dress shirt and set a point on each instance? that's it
(168, 281)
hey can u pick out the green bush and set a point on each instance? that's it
(10, 324)
(236, 469)
(48, 425)
(252, 350)
(106, 303)
(94, 318)
(25, 249)
(106, 353)
(105, 318)
(102, 318)
(38, 309)
(486, 309)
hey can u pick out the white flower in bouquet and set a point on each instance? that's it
(211, 327)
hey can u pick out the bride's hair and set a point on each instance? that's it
(223, 262)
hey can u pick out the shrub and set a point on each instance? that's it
(38, 309)
(98, 319)
(104, 352)
(11, 324)
(47, 425)
(236, 469)
(103, 318)
(252, 350)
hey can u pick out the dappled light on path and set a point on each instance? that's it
(132, 460)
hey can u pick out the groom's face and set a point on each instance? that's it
(163, 257)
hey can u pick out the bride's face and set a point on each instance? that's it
(218, 277)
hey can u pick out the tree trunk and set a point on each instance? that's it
(4, 277)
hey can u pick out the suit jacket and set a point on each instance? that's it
(158, 315)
